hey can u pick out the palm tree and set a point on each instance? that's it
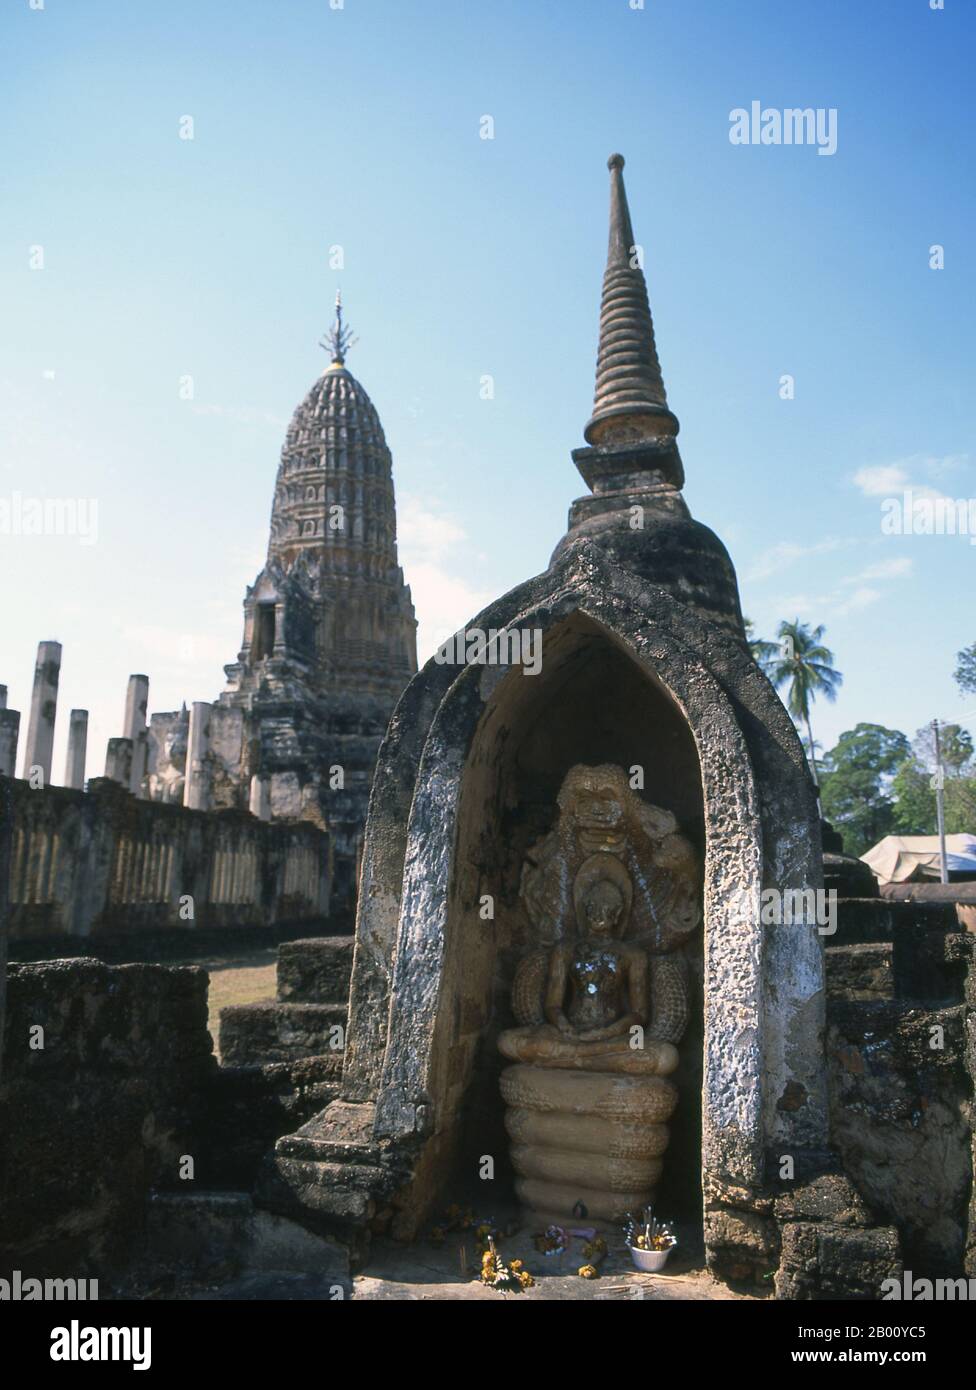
(817, 761)
(804, 664)
(763, 652)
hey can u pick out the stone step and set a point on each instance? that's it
(316, 970)
(864, 971)
(880, 919)
(248, 1108)
(928, 967)
(849, 877)
(254, 1034)
(331, 1174)
(340, 1133)
(223, 1235)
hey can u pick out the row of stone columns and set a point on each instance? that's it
(126, 757)
(39, 748)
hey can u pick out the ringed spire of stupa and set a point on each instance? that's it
(634, 512)
(630, 404)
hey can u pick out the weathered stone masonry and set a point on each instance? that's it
(100, 861)
(97, 1108)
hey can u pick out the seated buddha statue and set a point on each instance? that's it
(587, 1003)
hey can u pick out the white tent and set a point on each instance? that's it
(898, 858)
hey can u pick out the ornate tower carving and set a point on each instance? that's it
(329, 628)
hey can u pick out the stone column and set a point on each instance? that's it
(136, 704)
(74, 768)
(44, 705)
(9, 735)
(260, 799)
(118, 761)
(196, 791)
(279, 649)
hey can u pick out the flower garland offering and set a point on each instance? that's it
(554, 1240)
(594, 1252)
(510, 1278)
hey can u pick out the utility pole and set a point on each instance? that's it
(939, 781)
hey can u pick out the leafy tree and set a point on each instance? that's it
(965, 673)
(914, 795)
(804, 665)
(955, 745)
(856, 780)
(960, 804)
(914, 788)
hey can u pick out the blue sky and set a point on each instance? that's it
(359, 127)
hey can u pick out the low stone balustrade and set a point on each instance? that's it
(102, 861)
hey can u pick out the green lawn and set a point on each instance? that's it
(242, 979)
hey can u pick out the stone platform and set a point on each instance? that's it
(312, 1000)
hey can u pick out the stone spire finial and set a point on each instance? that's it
(339, 338)
(630, 404)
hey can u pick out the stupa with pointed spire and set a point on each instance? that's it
(631, 464)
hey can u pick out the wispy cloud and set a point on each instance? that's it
(426, 530)
(881, 479)
(852, 594)
(438, 560)
(889, 479)
(900, 568)
(779, 557)
(862, 597)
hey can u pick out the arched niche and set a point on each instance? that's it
(494, 756)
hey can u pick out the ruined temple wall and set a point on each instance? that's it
(103, 861)
(96, 1108)
(901, 1117)
(901, 1047)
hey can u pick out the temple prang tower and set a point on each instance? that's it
(329, 628)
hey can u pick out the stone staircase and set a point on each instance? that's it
(308, 1017)
(281, 1068)
(306, 1154)
(279, 1065)
(335, 1177)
